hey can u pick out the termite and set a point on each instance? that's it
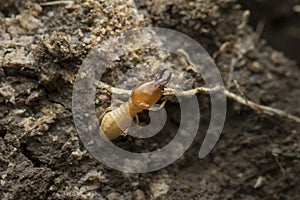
(143, 97)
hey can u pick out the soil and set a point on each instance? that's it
(41, 156)
(278, 21)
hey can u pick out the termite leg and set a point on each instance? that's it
(137, 120)
(161, 105)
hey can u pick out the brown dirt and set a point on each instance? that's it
(41, 156)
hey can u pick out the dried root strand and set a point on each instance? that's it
(260, 108)
(257, 107)
(204, 90)
(56, 3)
(113, 90)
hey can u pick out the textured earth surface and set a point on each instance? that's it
(43, 45)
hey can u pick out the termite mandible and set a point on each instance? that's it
(143, 97)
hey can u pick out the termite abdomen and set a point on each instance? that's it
(115, 122)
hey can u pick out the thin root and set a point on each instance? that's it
(57, 3)
(242, 100)
(113, 90)
(137, 120)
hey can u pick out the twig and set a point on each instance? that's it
(238, 87)
(260, 108)
(205, 90)
(113, 90)
(57, 3)
(260, 28)
(191, 65)
(257, 107)
(245, 19)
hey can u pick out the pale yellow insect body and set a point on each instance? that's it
(143, 97)
(115, 122)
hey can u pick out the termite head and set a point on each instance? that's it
(146, 94)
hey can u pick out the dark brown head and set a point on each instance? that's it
(148, 93)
